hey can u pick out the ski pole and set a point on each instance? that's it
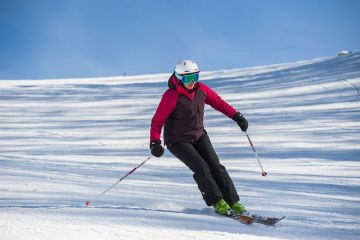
(256, 155)
(113, 185)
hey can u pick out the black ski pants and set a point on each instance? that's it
(211, 177)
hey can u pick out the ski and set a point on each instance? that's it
(270, 221)
(243, 218)
(249, 218)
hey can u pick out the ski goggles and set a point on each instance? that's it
(188, 78)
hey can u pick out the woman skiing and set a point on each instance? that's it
(181, 112)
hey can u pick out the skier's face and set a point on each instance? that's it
(189, 80)
(190, 85)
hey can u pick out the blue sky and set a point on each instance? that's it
(92, 38)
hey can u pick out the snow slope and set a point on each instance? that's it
(65, 141)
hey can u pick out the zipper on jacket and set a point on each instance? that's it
(195, 108)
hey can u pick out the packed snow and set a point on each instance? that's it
(64, 141)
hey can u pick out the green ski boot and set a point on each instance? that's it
(222, 208)
(238, 208)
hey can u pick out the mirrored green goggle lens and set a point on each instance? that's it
(187, 79)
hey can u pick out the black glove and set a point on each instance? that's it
(241, 121)
(156, 149)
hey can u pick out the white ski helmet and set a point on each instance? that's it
(186, 67)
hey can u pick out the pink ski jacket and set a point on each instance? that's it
(181, 112)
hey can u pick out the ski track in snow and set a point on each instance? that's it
(64, 141)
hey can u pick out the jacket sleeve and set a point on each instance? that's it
(215, 101)
(166, 106)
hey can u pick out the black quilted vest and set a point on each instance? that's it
(186, 122)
